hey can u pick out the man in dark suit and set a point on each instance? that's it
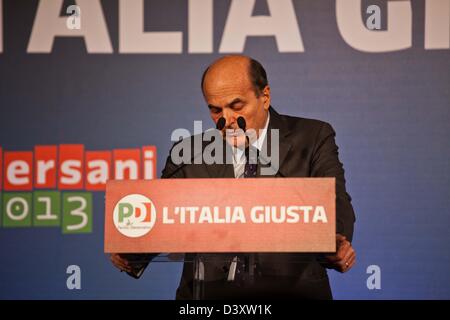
(237, 86)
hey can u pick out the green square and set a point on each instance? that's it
(17, 209)
(77, 212)
(47, 208)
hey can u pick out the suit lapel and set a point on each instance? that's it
(225, 170)
(275, 122)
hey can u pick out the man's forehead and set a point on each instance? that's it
(219, 86)
(227, 93)
(227, 78)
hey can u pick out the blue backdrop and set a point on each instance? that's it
(390, 111)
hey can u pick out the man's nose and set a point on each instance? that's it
(230, 118)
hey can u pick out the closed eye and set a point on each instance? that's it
(214, 109)
(237, 104)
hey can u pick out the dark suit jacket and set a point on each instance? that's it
(307, 149)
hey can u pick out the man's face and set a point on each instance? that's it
(230, 94)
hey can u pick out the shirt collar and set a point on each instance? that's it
(258, 143)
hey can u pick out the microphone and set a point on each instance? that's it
(250, 260)
(241, 123)
(221, 123)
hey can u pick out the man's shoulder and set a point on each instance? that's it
(297, 121)
(295, 124)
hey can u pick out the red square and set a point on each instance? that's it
(18, 173)
(149, 162)
(1, 167)
(45, 166)
(71, 167)
(127, 164)
(98, 169)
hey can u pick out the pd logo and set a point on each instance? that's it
(134, 215)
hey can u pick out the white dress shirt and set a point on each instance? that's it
(239, 158)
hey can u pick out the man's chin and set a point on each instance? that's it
(237, 142)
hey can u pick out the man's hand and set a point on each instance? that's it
(345, 256)
(120, 262)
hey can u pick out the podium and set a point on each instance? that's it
(244, 285)
(234, 236)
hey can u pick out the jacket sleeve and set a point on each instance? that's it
(325, 163)
(171, 170)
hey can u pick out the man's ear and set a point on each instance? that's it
(266, 97)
